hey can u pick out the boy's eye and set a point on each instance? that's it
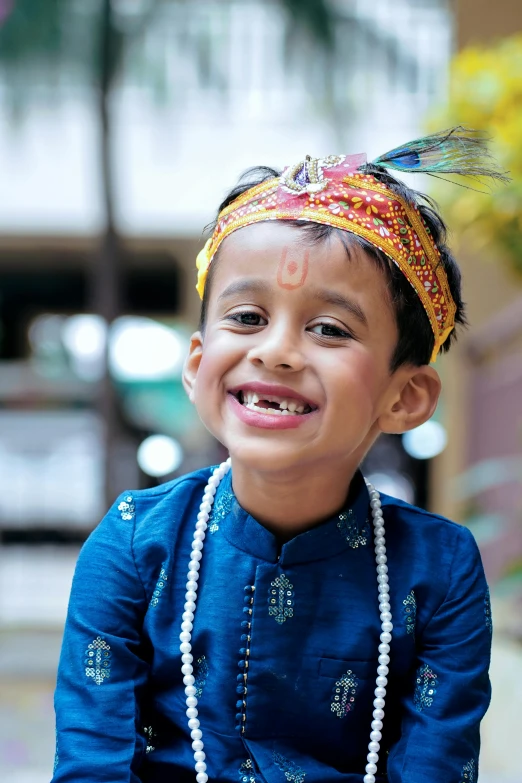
(329, 330)
(248, 318)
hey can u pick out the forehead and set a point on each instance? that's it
(292, 260)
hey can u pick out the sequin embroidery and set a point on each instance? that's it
(469, 772)
(292, 772)
(220, 509)
(160, 584)
(487, 611)
(425, 687)
(348, 528)
(410, 612)
(246, 772)
(150, 736)
(98, 660)
(281, 599)
(126, 508)
(200, 675)
(343, 696)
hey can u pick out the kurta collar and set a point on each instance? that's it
(349, 529)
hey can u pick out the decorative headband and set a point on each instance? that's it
(338, 192)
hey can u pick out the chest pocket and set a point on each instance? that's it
(335, 668)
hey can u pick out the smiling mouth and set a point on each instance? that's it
(273, 405)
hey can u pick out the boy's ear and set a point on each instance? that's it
(414, 397)
(191, 366)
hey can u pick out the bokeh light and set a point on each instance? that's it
(142, 349)
(426, 441)
(159, 455)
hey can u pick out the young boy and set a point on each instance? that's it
(326, 293)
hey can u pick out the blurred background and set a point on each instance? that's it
(123, 123)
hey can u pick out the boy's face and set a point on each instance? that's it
(294, 324)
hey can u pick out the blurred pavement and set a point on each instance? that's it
(34, 588)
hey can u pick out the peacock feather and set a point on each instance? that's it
(456, 150)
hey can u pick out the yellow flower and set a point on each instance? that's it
(486, 93)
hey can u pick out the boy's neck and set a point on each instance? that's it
(288, 504)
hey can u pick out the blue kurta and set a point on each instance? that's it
(285, 646)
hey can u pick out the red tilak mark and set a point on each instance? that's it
(287, 270)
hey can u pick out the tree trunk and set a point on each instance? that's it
(106, 283)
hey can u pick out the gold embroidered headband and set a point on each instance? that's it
(333, 191)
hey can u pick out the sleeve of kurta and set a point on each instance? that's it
(450, 689)
(102, 668)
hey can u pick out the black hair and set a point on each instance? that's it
(416, 339)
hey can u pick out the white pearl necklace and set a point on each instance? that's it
(190, 607)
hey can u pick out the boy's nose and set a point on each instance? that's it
(277, 352)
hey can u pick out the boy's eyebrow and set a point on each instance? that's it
(256, 286)
(338, 300)
(325, 295)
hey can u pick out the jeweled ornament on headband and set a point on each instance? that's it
(339, 191)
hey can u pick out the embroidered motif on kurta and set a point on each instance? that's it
(348, 528)
(126, 508)
(487, 611)
(343, 696)
(425, 687)
(246, 772)
(469, 772)
(151, 737)
(410, 612)
(160, 584)
(98, 660)
(292, 772)
(281, 599)
(200, 675)
(220, 509)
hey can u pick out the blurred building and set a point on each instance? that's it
(478, 477)
(479, 21)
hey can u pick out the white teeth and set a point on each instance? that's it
(269, 411)
(286, 407)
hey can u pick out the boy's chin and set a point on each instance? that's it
(267, 458)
